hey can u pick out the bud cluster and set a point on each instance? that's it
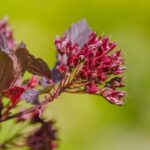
(100, 65)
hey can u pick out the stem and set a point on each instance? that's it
(62, 86)
(46, 101)
(26, 111)
(6, 113)
(76, 92)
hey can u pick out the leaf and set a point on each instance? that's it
(79, 32)
(19, 59)
(13, 64)
(22, 55)
(6, 71)
(34, 65)
(12, 67)
(30, 96)
(6, 64)
(14, 93)
(38, 66)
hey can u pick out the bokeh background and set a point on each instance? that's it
(88, 122)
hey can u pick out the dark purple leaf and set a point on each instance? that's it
(6, 71)
(22, 55)
(28, 62)
(12, 64)
(38, 66)
(79, 32)
(20, 60)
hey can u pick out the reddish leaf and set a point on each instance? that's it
(14, 93)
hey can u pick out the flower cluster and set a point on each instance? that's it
(5, 29)
(100, 65)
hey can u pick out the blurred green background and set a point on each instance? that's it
(88, 122)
